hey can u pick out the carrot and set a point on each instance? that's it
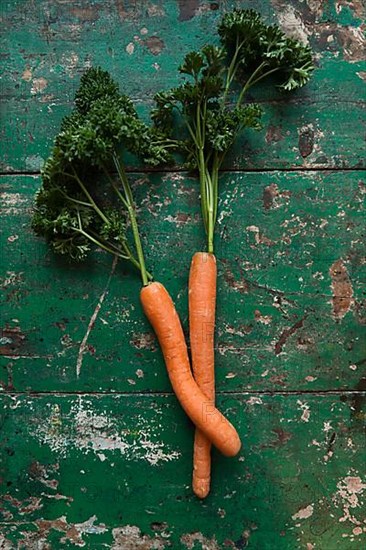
(160, 310)
(202, 303)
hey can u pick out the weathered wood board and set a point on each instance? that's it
(114, 471)
(292, 260)
(49, 45)
(103, 459)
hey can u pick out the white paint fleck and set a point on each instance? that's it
(27, 74)
(70, 62)
(130, 48)
(327, 427)
(310, 378)
(292, 24)
(139, 373)
(353, 367)
(38, 85)
(254, 401)
(130, 537)
(304, 407)
(350, 490)
(13, 238)
(90, 431)
(230, 375)
(328, 456)
(304, 513)
(34, 162)
(88, 527)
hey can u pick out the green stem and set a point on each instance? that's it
(233, 67)
(132, 216)
(215, 184)
(249, 82)
(91, 200)
(252, 80)
(210, 216)
(263, 76)
(202, 174)
(75, 201)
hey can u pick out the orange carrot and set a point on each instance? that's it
(159, 309)
(202, 304)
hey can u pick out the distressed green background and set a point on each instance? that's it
(103, 460)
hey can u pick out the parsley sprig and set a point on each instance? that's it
(76, 207)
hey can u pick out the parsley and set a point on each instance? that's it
(206, 103)
(74, 207)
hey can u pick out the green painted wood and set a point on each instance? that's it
(104, 460)
(143, 42)
(281, 236)
(78, 470)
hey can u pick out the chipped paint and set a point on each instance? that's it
(72, 532)
(347, 497)
(154, 44)
(130, 537)
(291, 22)
(282, 281)
(130, 48)
(304, 513)
(263, 319)
(342, 289)
(254, 401)
(304, 407)
(27, 75)
(92, 432)
(38, 85)
(190, 539)
(145, 340)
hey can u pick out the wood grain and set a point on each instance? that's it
(103, 460)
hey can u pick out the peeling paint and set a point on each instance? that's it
(130, 48)
(190, 539)
(350, 490)
(72, 532)
(291, 22)
(154, 44)
(145, 340)
(254, 401)
(304, 407)
(88, 431)
(304, 513)
(131, 538)
(263, 319)
(342, 289)
(38, 85)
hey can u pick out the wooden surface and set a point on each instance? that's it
(103, 460)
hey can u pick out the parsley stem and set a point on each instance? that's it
(249, 82)
(132, 215)
(91, 200)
